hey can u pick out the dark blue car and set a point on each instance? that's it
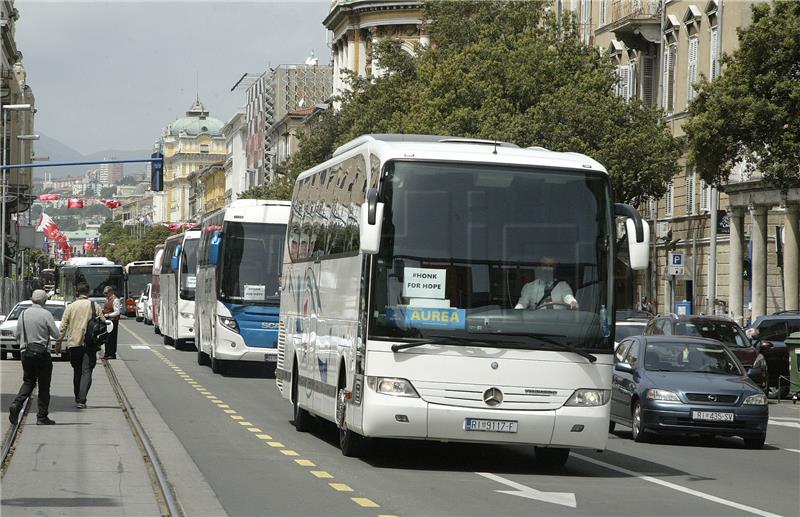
(682, 384)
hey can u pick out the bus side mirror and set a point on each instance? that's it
(638, 236)
(173, 263)
(370, 223)
(214, 248)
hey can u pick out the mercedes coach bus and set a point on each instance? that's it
(177, 281)
(451, 289)
(238, 282)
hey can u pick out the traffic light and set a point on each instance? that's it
(157, 172)
(746, 268)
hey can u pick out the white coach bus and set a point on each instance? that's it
(177, 282)
(419, 302)
(238, 280)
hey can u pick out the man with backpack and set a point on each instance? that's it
(79, 322)
(35, 327)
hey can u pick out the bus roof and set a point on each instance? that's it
(454, 149)
(89, 261)
(258, 211)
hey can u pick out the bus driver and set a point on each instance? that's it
(546, 291)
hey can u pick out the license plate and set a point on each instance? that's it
(490, 426)
(712, 416)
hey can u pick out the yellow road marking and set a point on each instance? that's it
(237, 417)
(264, 436)
(305, 463)
(278, 445)
(322, 474)
(221, 405)
(204, 392)
(254, 429)
(366, 503)
(214, 399)
(340, 487)
(386, 515)
(230, 411)
(287, 452)
(246, 424)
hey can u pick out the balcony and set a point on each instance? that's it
(635, 22)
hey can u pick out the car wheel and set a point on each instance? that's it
(637, 430)
(352, 444)
(611, 426)
(755, 442)
(301, 417)
(550, 457)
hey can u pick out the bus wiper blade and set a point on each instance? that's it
(548, 338)
(440, 340)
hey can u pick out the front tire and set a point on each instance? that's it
(352, 444)
(637, 429)
(551, 458)
(301, 417)
(202, 358)
(755, 442)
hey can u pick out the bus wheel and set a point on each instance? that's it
(550, 457)
(168, 341)
(302, 419)
(217, 366)
(202, 358)
(352, 444)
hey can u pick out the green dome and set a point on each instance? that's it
(197, 122)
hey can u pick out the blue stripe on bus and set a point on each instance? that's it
(258, 325)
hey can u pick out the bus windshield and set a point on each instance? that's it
(252, 255)
(494, 253)
(138, 278)
(98, 277)
(189, 268)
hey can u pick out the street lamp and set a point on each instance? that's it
(5, 109)
(20, 253)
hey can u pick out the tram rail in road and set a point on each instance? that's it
(11, 435)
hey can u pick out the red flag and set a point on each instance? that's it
(74, 203)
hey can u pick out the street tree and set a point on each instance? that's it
(750, 113)
(122, 244)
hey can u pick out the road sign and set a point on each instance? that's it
(676, 264)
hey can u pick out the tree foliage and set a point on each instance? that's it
(127, 244)
(750, 113)
(501, 70)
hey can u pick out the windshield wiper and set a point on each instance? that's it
(548, 338)
(440, 340)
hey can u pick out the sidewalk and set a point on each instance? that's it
(86, 464)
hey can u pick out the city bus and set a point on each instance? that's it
(137, 275)
(96, 272)
(47, 277)
(155, 286)
(405, 307)
(238, 275)
(177, 281)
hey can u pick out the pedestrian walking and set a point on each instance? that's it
(112, 310)
(73, 324)
(35, 327)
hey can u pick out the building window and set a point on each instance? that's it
(690, 190)
(602, 12)
(705, 197)
(648, 76)
(714, 72)
(204, 148)
(670, 57)
(691, 70)
(670, 197)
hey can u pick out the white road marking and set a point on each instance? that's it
(562, 498)
(788, 419)
(169, 347)
(675, 487)
(796, 425)
(140, 347)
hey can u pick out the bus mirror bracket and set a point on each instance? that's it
(371, 222)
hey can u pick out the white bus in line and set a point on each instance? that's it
(406, 259)
(155, 287)
(238, 279)
(177, 281)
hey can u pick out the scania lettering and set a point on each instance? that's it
(177, 281)
(238, 277)
(455, 290)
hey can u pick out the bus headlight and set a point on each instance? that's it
(229, 323)
(187, 315)
(392, 386)
(589, 398)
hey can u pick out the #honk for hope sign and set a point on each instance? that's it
(423, 283)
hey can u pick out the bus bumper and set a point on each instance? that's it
(230, 347)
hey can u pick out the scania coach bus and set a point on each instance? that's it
(450, 289)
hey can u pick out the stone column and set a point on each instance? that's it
(736, 264)
(759, 261)
(351, 51)
(791, 258)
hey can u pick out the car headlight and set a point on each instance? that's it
(229, 323)
(8, 332)
(589, 397)
(662, 395)
(187, 315)
(392, 386)
(758, 399)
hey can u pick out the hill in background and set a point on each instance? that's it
(59, 152)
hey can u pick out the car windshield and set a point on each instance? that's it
(778, 330)
(56, 310)
(252, 255)
(628, 330)
(728, 332)
(469, 250)
(679, 356)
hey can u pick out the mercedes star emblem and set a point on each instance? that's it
(493, 397)
(495, 365)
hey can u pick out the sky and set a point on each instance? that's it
(111, 74)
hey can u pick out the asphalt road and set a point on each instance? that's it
(238, 431)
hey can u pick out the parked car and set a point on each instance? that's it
(140, 303)
(715, 327)
(770, 340)
(685, 385)
(629, 323)
(8, 343)
(148, 306)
